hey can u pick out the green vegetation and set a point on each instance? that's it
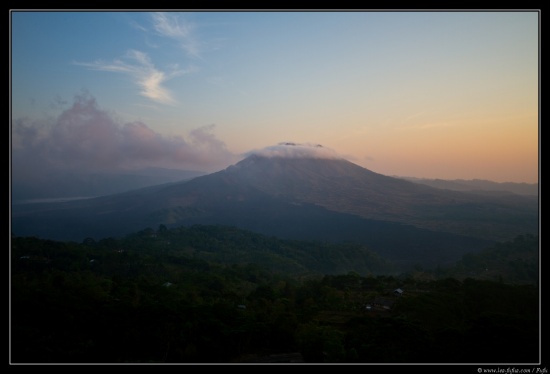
(211, 294)
(514, 262)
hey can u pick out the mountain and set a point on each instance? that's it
(300, 196)
(341, 186)
(479, 186)
(78, 184)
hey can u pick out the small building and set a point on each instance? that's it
(380, 304)
(398, 292)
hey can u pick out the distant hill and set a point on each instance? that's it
(67, 185)
(307, 198)
(479, 185)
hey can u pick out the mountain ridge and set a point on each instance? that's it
(65, 184)
(300, 198)
(478, 185)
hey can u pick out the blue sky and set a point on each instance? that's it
(427, 94)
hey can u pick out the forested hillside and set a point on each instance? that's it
(515, 261)
(218, 295)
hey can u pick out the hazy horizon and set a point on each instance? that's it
(75, 185)
(435, 95)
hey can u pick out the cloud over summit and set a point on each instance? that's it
(296, 150)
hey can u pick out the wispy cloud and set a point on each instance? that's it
(430, 125)
(139, 66)
(173, 26)
(413, 116)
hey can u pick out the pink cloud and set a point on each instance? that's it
(85, 137)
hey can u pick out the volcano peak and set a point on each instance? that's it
(296, 150)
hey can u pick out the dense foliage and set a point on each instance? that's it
(216, 294)
(515, 261)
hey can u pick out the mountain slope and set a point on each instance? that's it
(341, 186)
(300, 198)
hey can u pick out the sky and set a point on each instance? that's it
(442, 94)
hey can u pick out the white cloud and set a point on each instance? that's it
(139, 66)
(296, 150)
(173, 26)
